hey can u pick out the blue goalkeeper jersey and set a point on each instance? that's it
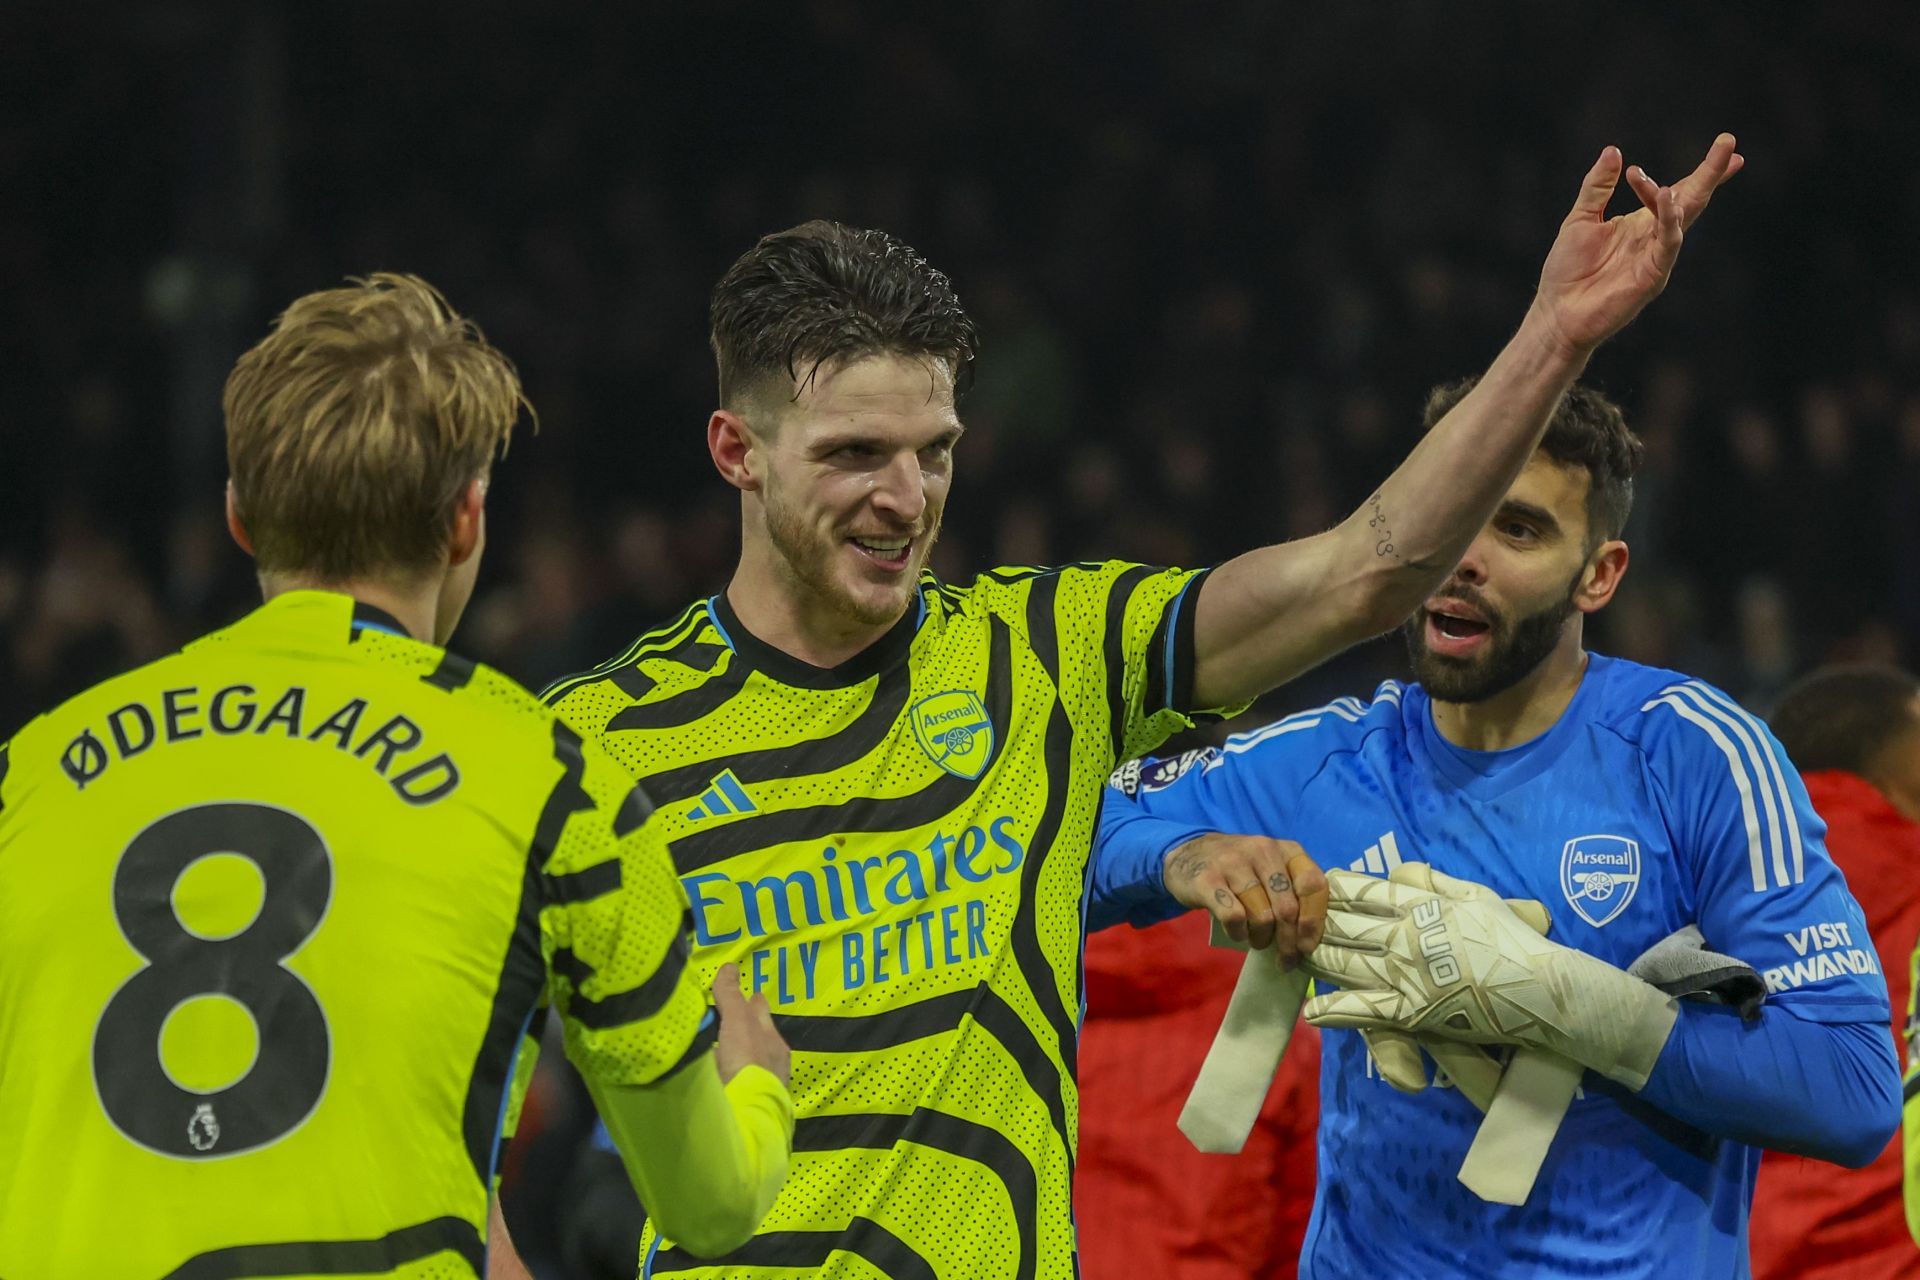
(1655, 802)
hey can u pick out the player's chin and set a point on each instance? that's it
(1440, 671)
(877, 602)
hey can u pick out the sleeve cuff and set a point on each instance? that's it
(1130, 885)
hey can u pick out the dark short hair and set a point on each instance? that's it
(1587, 430)
(1843, 717)
(822, 291)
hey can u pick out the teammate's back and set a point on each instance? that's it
(278, 911)
(258, 904)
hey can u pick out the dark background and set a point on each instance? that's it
(1217, 253)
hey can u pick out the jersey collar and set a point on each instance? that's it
(889, 651)
(1486, 774)
(368, 617)
(328, 616)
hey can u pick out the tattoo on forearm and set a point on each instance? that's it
(1383, 535)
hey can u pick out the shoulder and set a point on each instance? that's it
(1094, 580)
(1671, 716)
(1345, 724)
(682, 650)
(1068, 606)
(88, 708)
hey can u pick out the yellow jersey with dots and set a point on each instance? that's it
(896, 852)
(275, 912)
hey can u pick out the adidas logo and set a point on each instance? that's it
(1379, 859)
(723, 798)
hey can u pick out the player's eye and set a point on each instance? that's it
(1518, 531)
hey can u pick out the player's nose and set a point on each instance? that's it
(1473, 565)
(898, 489)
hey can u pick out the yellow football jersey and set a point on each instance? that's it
(896, 852)
(275, 913)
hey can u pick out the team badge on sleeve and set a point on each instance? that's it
(1138, 776)
(954, 731)
(1599, 875)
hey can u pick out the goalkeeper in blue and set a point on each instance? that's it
(1632, 803)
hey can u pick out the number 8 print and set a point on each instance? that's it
(289, 1072)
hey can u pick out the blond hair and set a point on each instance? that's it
(354, 428)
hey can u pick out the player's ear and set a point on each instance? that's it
(234, 525)
(469, 522)
(735, 451)
(1601, 578)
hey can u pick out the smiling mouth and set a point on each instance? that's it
(888, 553)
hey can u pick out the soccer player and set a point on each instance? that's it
(1632, 802)
(1854, 734)
(275, 910)
(880, 789)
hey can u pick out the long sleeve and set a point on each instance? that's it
(1129, 864)
(707, 1160)
(1830, 1090)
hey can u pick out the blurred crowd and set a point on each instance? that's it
(1216, 261)
(1215, 267)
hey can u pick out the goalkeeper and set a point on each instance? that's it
(1630, 802)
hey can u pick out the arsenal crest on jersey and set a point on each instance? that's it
(954, 731)
(1599, 875)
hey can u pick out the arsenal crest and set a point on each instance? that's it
(953, 729)
(1599, 875)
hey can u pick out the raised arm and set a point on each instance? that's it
(1266, 616)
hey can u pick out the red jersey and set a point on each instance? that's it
(1147, 1203)
(1812, 1220)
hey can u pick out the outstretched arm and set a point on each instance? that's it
(1266, 616)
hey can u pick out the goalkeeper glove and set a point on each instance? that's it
(1471, 1069)
(1450, 959)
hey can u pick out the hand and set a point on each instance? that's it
(1601, 271)
(1400, 1056)
(1264, 892)
(747, 1034)
(1427, 953)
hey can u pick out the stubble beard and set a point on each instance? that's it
(809, 561)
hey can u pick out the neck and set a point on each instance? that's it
(782, 611)
(415, 607)
(1523, 712)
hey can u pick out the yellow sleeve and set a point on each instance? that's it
(1126, 639)
(1910, 1119)
(615, 928)
(707, 1160)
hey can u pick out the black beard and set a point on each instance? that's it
(1511, 657)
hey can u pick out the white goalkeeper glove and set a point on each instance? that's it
(1399, 1055)
(1435, 956)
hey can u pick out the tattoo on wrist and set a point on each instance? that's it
(1382, 534)
(1186, 864)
